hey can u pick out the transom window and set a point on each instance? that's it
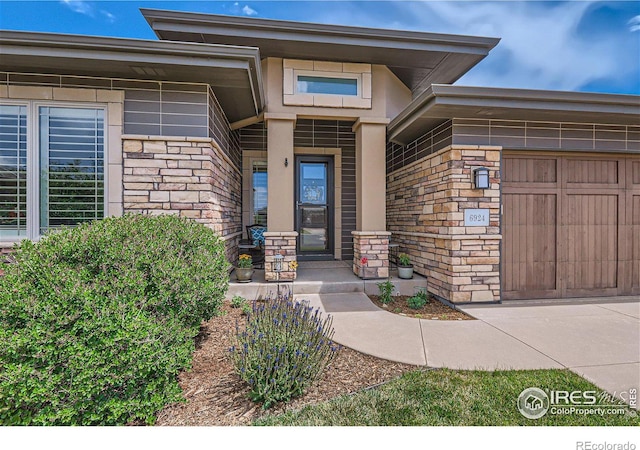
(307, 84)
(51, 168)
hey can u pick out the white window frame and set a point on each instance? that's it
(33, 157)
(292, 69)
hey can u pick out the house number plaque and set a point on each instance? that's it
(476, 217)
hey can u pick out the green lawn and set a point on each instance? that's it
(449, 397)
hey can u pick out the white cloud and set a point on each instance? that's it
(85, 8)
(249, 11)
(539, 48)
(245, 10)
(110, 17)
(543, 44)
(79, 6)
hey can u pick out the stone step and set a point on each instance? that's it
(321, 281)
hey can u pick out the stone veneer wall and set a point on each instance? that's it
(374, 246)
(426, 200)
(280, 243)
(189, 177)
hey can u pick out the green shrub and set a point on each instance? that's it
(418, 301)
(285, 347)
(97, 321)
(238, 301)
(386, 291)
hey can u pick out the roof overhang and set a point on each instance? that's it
(418, 59)
(443, 102)
(233, 72)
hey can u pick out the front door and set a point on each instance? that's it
(314, 207)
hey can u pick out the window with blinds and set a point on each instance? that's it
(13, 171)
(71, 166)
(259, 182)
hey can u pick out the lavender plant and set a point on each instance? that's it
(284, 348)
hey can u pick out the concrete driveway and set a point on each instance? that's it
(597, 340)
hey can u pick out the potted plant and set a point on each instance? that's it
(244, 270)
(405, 268)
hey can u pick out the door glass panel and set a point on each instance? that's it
(313, 211)
(313, 236)
(314, 216)
(313, 183)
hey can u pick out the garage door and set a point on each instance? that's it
(571, 225)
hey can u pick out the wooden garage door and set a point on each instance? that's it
(571, 225)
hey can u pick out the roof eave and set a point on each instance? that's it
(463, 43)
(577, 106)
(100, 43)
(138, 51)
(395, 49)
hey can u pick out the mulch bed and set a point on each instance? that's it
(216, 396)
(434, 310)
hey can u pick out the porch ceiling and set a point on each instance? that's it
(233, 72)
(417, 59)
(443, 102)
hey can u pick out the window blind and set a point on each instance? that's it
(259, 192)
(71, 166)
(13, 171)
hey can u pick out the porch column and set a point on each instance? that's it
(280, 237)
(371, 238)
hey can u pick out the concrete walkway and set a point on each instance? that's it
(599, 341)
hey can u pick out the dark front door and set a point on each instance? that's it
(314, 207)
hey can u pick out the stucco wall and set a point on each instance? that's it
(426, 200)
(388, 95)
(190, 177)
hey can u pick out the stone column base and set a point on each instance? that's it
(280, 243)
(374, 246)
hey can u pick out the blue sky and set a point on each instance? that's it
(591, 46)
